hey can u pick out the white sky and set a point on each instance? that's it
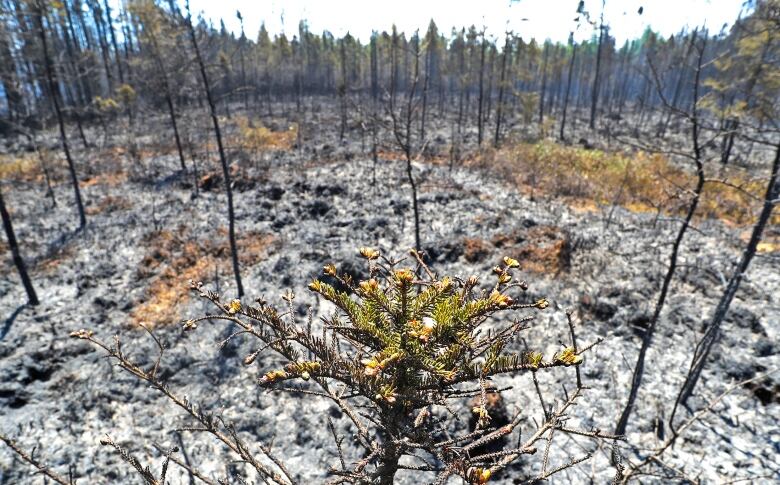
(552, 19)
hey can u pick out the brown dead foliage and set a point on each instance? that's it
(541, 249)
(390, 154)
(252, 246)
(209, 181)
(173, 258)
(53, 261)
(23, 168)
(5, 260)
(770, 242)
(110, 179)
(396, 155)
(636, 180)
(252, 136)
(475, 249)
(242, 178)
(109, 204)
(45, 264)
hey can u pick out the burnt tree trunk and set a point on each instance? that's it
(32, 298)
(636, 378)
(544, 82)
(222, 158)
(677, 89)
(101, 39)
(343, 89)
(428, 62)
(168, 100)
(403, 137)
(408, 148)
(568, 90)
(54, 89)
(594, 98)
(110, 27)
(480, 101)
(712, 334)
(374, 69)
(501, 87)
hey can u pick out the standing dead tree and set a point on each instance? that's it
(594, 99)
(568, 85)
(543, 89)
(696, 157)
(480, 99)
(581, 13)
(39, 12)
(757, 45)
(402, 130)
(343, 88)
(712, 334)
(32, 298)
(637, 469)
(221, 149)
(431, 53)
(502, 85)
(154, 33)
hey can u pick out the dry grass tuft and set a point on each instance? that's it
(541, 249)
(108, 205)
(770, 242)
(110, 179)
(253, 247)
(50, 263)
(639, 181)
(173, 258)
(252, 136)
(37, 264)
(20, 167)
(5, 262)
(475, 249)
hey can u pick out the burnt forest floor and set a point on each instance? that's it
(301, 207)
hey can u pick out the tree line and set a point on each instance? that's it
(483, 77)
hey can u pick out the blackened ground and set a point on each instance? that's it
(297, 211)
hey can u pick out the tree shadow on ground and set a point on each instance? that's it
(11, 319)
